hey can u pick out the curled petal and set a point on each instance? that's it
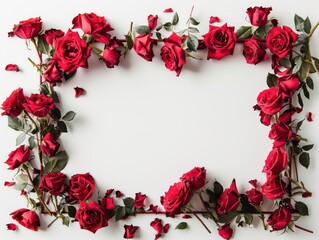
(168, 10)
(8, 184)
(78, 91)
(213, 19)
(309, 117)
(12, 68)
(119, 194)
(12, 226)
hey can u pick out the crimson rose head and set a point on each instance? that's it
(271, 100)
(281, 133)
(196, 178)
(39, 105)
(17, 157)
(254, 196)
(258, 16)
(53, 183)
(288, 83)
(111, 54)
(276, 161)
(81, 187)
(52, 73)
(152, 21)
(143, 46)
(225, 231)
(26, 218)
(28, 29)
(273, 188)
(13, 105)
(52, 34)
(254, 51)
(279, 219)
(229, 199)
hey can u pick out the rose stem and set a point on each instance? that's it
(304, 229)
(262, 216)
(200, 220)
(209, 212)
(40, 58)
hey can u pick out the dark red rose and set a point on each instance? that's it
(139, 200)
(173, 54)
(12, 227)
(52, 34)
(52, 73)
(111, 54)
(286, 116)
(53, 183)
(129, 231)
(177, 196)
(12, 68)
(264, 118)
(271, 100)
(17, 157)
(281, 133)
(152, 21)
(258, 16)
(91, 216)
(13, 105)
(220, 41)
(71, 52)
(38, 104)
(143, 46)
(81, 187)
(49, 146)
(158, 227)
(279, 219)
(196, 178)
(225, 231)
(254, 196)
(254, 51)
(27, 218)
(78, 91)
(94, 25)
(273, 188)
(280, 40)
(276, 161)
(28, 29)
(288, 83)
(229, 199)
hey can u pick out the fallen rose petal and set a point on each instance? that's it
(12, 67)
(213, 19)
(166, 228)
(309, 117)
(168, 10)
(153, 208)
(186, 216)
(10, 34)
(78, 91)
(139, 200)
(129, 231)
(157, 236)
(306, 195)
(23, 193)
(253, 183)
(9, 183)
(119, 194)
(12, 226)
(109, 192)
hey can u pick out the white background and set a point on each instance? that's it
(139, 127)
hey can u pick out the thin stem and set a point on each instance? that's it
(49, 225)
(304, 229)
(262, 216)
(40, 58)
(209, 212)
(313, 30)
(199, 219)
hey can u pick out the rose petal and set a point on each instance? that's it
(213, 19)
(139, 200)
(119, 194)
(12, 67)
(108, 192)
(12, 226)
(9, 183)
(78, 91)
(253, 183)
(186, 216)
(10, 34)
(168, 10)
(309, 117)
(153, 208)
(166, 228)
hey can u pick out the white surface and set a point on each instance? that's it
(139, 127)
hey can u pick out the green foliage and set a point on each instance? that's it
(302, 208)
(304, 159)
(143, 29)
(272, 80)
(69, 116)
(56, 163)
(244, 32)
(182, 226)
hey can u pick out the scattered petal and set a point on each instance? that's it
(153, 209)
(306, 195)
(213, 19)
(12, 67)
(109, 192)
(130, 231)
(12, 226)
(309, 117)
(186, 216)
(78, 91)
(139, 200)
(166, 228)
(253, 183)
(157, 225)
(23, 193)
(10, 34)
(168, 10)
(9, 184)
(119, 194)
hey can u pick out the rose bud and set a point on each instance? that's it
(229, 199)
(279, 219)
(27, 218)
(49, 146)
(28, 29)
(152, 21)
(158, 227)
(258, 16)
(139, 200)
(17, 157)
(111, 54)
(52, 73)
(196, 177)
(254, 196)
(81, 187)
(129, 231)
(13, 105)
(288, 83)
(225, 231)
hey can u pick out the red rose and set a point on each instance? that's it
(276, 161)
(139, 200)
(94, 25)
(273, 188)
(258, 16)
(281, 133)
(177, 196)
(288, 83)
(17, 157)
(220, 41)
(52, 73)
(81, 187)
(229, 199)
(27, 218)
(49, 146)
(173, 54)
(254, 51)
(143, 46)
(280, 40)
(152, 21)
(52, 34)
(225, 231)
(286, 116)
(71, 52)
(279, 219)
(111, 54)
(53, 183)
(129, 231)
(254, 196)
(28, 28)
(38, 104)
(271, 100)
(196, 178)
(91, 216)
(13, 105)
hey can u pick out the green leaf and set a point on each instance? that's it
(304, 70)
(43, 46)
(272, 80)
(129, 41)
(193, 30)
(128, 202)
(192, 43)
(22, 178)
(65, 220)
(305, 91)
(56, 113)
(285, 62)
(69, 116)
(31, 142)
(299, 124)
(45, 89)
(260, 32)
(54, 95)
(300, 101)
(15, 123)
(168, 26)
(309, 83)
(20, 138)
(62, 126)
(298, 63)
(57, 162)
(33, 203)
(238, 218)
(194, 21)
(304, 159)
(307, 25)
(302, 38)
(71, 211)
(316, 61)
(159, 36)
(227, 218)
(299, 23)
(218, 188)
(182, 226)
(302, 208)
(119, 213)
(308, 147)
(248, 218)
(244, 32)
(142, 29)
(175, 19)
(159, 27)
(20, 186)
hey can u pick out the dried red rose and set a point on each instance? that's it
(17, 157)
(81, 187)
(28, 29)
(27, 218)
